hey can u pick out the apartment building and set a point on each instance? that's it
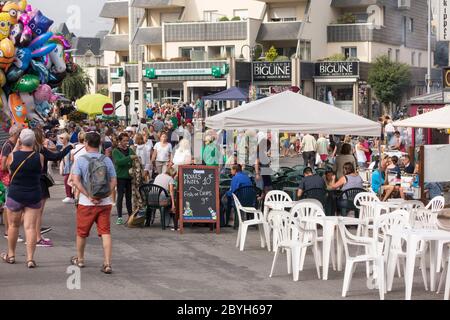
(179, 41)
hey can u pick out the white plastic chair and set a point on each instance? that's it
(372, 256)
(311, 209)
(243, 225)
(291, 235)
(365, 217)
(274, 197)
(397, 253)
(436, 204)
(446, 271)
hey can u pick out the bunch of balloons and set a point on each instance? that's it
(33, 62)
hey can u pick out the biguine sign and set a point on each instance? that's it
(337, 69)
(199, 195)
(272, 71)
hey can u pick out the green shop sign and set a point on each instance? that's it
(216, 72)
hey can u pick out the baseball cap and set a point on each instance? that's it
(129, 129)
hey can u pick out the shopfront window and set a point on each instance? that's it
(339, 95)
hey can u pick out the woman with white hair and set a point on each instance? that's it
(182, 154)
(25, 195)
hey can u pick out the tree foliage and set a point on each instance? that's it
(76, 84)
(389, 80)
(272, 54)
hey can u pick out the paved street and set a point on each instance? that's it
(152, 264)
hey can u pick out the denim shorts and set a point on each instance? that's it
(15, 206)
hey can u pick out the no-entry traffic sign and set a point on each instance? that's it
(108, 109)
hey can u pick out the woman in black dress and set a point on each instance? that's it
(42, 146)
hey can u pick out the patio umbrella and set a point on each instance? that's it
(92, 105)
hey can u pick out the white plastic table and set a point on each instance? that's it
(329, 224)
(413, 237)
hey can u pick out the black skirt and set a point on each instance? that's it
(44, 190)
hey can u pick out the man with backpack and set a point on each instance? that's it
(95, 177)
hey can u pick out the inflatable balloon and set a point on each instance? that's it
(43, 108)
(56, 79)
(53, 98)
(12, 9)
(40, 70)
(37, 48)
(17, 108)
(7, 52)
(5, 25)
(43, 93)
(23, 5)
(3, 79)
(40, 24)
(28, 83)
(33, 116)
(5, 113)
(19, 37)
(14, 74)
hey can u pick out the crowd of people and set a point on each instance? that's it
(104, 162)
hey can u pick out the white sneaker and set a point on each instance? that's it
(68, 200)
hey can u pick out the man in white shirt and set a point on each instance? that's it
(309, 147)
(91, 209)
(135, 118)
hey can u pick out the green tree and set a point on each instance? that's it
(272, 54)
(104, 91)
(224, 19)
(389, 80)
(336, 57)
(347, 18)
(76, 84)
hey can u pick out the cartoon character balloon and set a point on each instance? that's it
(39, 24)
(7, 51)
(37, 48)
(12, 9)
(43, 93)
(19, 36)
(18, 108)
(5, 25)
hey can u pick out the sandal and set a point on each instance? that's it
(76, 262)
(8, 259)
(106, 268)
(31, 264)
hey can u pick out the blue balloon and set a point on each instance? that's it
(40, 24)
(41, 71)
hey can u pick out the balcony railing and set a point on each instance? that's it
(273, 31)
(148, 36)
(113, 42)
(205, 31)
(353, 32)
(157, 4)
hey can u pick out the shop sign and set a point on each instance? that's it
(443, 20)
(337, 69)
(215, 71)
(272, 71)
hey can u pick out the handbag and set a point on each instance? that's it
(48, 179)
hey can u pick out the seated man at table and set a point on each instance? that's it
(240, 179)
(409, 167)
(310, 181)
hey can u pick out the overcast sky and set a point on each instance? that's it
(81, 16)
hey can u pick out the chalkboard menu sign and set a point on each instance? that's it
(199, 195)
